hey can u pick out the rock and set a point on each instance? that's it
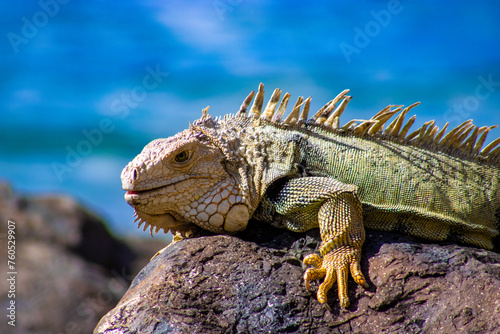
(235, 284)
(70, 269)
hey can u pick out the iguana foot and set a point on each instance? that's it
(334, 267)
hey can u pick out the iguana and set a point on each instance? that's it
(301, 173)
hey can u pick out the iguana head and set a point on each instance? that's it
(186, 179)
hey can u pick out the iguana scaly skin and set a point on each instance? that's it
(301, 173)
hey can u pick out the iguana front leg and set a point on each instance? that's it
(303, 203)
(343, 234)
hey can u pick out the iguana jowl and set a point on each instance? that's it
(301, 173)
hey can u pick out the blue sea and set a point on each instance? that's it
(85, 85)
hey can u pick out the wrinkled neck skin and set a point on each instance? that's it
(238, 141)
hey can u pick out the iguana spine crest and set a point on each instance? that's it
(464, 141)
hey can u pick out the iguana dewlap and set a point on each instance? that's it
(300, 173)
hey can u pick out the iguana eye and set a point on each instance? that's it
(182, 156)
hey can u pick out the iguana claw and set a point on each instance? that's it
(334, 267)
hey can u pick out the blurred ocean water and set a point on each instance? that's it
(84, 86)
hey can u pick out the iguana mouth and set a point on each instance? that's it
(132, 196)
(143, 191)
(139, 188)
(137, 193)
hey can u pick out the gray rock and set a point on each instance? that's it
(225, 284)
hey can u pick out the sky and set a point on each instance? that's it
(85, 85)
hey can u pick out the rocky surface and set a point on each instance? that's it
(224, 284)
(70, 269)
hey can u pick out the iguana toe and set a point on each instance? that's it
(312, 273)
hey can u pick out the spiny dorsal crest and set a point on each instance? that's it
(466, 140)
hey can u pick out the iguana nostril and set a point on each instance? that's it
(135, 175)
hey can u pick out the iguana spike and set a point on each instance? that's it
(494, 154)
(381, 120)
(395, 111)
(347, 125)
(317, 115)
(281, 109)
(246, 103)
(490, 147)
(461, 138)
(482, 139)
(324, 112)
(338, 112)
(258, 102)
(341, 95)
(333, 122)
(407, 127)
(305, 112)
(440, 134)
(299, 101)
(386, 110)
(394, 128)
(423, 130)
(340, 109)
(271, 105)
(413, 135)
(456, 138)
(469, 144)
(293, 117)
(381, 112)
(447, 138)
(417, 133)
(352, 123)
(452, 135)
(321, 116)
(431, 135)
(411, 106)
(204, 112)
(424, 137)
(140, 223)
(364, 127)
(455, 133)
